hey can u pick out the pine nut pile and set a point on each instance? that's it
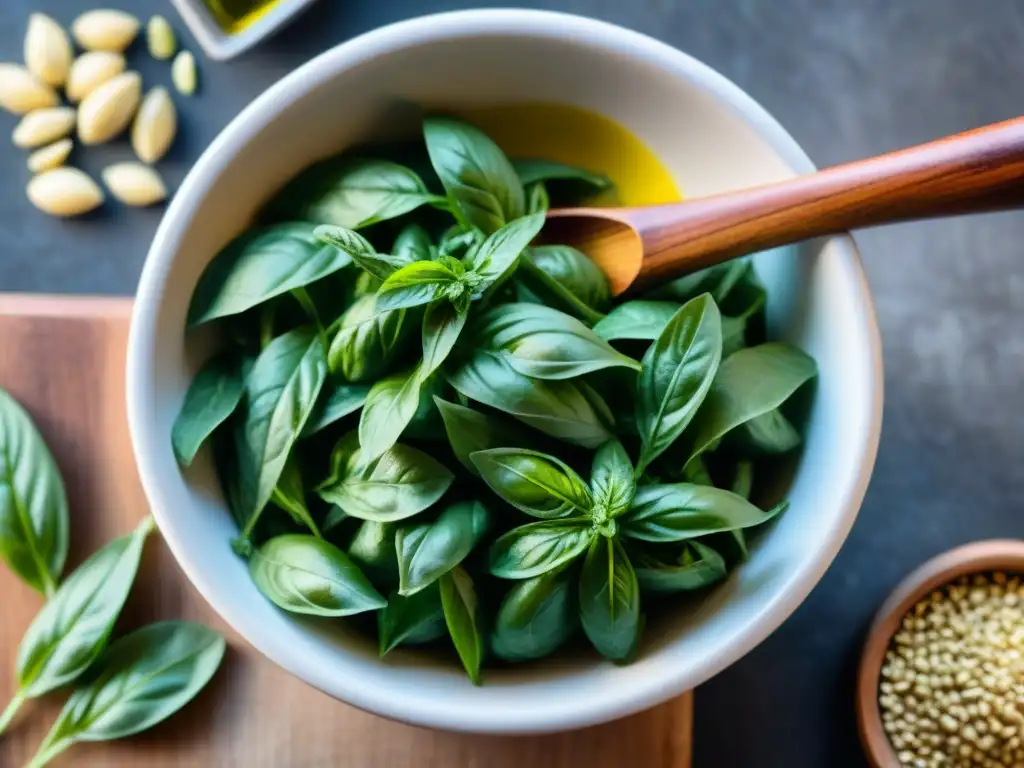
(952, 690)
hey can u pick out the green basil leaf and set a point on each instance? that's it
(537, 200)
(212, 397)
(537, 548)
(568, 410)
(418, 283)
(373, 550)
(72, 628)
(457, 243)
(677, 373)
(574, 270)
(141, 679)
(33, 503)
(389, 408)
(694, 567)
(747, 295)
(734, 335)
(417, 618)
(470, 431)
(361, 251)
(342, 400)
(256, 267)
(536, 285)
(475, 172)
(750, 384)
(610, 600)
(280, 393)
(499, 252)
(612, 482)
(290, 495)
(459, 601)
(307, 575)
(426, 423)
(769, 433)
(681, 511)
(536, 617)
(743, 480)
(367, 340)
(442, 325)
(429, 550)
(538, 484)
(395, 486)
(413, 244)
(641, 319)
(696, 471)
(718, 280)
(580, 183)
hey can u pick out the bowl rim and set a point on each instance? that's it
(644, 690)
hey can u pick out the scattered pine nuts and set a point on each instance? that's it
(105, 30)
(21, 91)
(160, 38)
(43, 126)
(108, 110)
(134, 184)
(183, 73)
(91, 70)
(155, 126)
(64, 192)
(50, 156)
(48, 50)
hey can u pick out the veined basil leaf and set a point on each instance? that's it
(142, 679)
(307, 575)
(536, 285)
(612, 483)
(373, 550)
(695, 566)
(536, 617)
(470, 431)
(574, 270)
(718, 280)
(563, 409)
(641, 319)
(442, 325)
(290, 495)
(413, 244)
(734, 333)
(538, 484)
(749, 384)
(212, 397)
(578, 182)
(255, 267)
(458, 243)
(537, 548)
(367, 340)
(361, 251)
(459, 601)
(537, 200)
(33, 503)
(397, 485)
(499, 252)
(341, 401)
(681, 511)
(677, 373)
(418, 618)
(427, 551)
(543, 343)
(419, 283)
(610, 600)
(478, 177)
(389, 408)
(70, 631)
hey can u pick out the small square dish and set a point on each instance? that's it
(224, 33)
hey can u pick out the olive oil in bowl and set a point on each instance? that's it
(235, 15)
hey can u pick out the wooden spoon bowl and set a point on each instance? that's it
(1005, 555)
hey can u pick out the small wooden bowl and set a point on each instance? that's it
(1005, 555)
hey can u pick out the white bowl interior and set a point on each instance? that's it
(712, 138)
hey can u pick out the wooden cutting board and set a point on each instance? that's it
(63, 359)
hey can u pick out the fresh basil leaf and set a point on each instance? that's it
(678, 370)
(367, 340)
(609, 598)
(682, 511)
(307, 575)
(567, 410)
(537, 200)
(751, 383)
(538, 484)
(579, 182)
(256, 267)
(697, 472)
(695, 566)
(747, 295)
(72, 628)
(769, 433)
(141, 679)
(395, 486)
(475, 172)
(500, 250)
(537, 548)
(427, 551)
(545, 289)
(418, 618)
(536, 617)
(718, 280)
(459, 601)
(734, 335)
(362, 253)
(641, 319)
(458, 243)
(612, 483)
(389, 408)
(426, 422)
(373, 550)
(470, 431)
(743, 480)
(413, 244)
(574, 270)
(342, 400)
(212, 397)
(442, 325)
(33, 503)
(419, 283)
(290, 495)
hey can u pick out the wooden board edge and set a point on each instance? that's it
(54, 305)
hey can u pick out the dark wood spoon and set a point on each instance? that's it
(981, 170)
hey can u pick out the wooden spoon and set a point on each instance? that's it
(981, 170)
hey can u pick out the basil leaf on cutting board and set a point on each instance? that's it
(307, 575)
(470, 431)
(609, 598)
(694, 566)
(612, 482)
(33, 502)
(537, 548)
(536, 483)
(681, 511)
(459, 601)
(536, 617)
(212, 397)
(573, 269)
(367, 341)
(390, 406)
(417, 618)
(336, 402)
(427, 551)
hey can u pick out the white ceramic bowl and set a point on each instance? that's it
(712, 137)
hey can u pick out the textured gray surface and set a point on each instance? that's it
(848, 79)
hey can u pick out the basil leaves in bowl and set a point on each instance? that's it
(416, 447)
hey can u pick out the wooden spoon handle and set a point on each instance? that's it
(981, 170)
